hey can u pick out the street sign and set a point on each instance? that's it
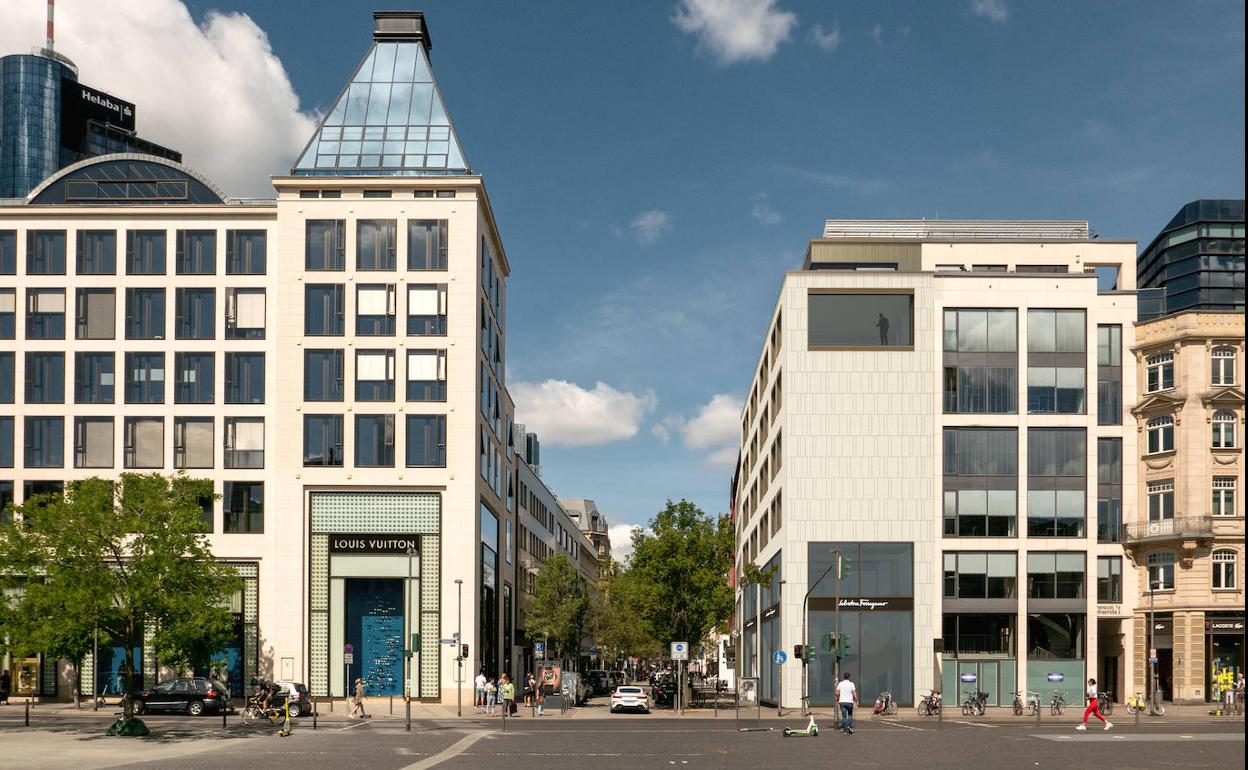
(348, 658)
(1056, 677)
(779, 658)
(593, 652)
(968, 678)
(447, 642)
(1154, 661)
(348, 649)
(539, 649)
(680, 651)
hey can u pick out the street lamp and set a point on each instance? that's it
(459, 653)
(836, 553)
(410, 658)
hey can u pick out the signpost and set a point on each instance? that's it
(779, 658)
(680, 652)
(348, 657)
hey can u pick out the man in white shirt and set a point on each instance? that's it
(847, 697)
(478, 685)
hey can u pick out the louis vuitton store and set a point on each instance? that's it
(375, 566)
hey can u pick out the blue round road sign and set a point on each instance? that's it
(779, 657)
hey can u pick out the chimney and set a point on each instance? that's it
(401, 26)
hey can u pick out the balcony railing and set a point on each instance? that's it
(1182, 527)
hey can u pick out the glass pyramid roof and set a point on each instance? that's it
(389, 120)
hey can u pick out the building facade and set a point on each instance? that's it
(1186, 544)
(593, 523)
(333, 359)
(940, 405)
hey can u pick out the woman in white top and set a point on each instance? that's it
(1094, 707)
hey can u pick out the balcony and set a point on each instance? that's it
(1181, 528)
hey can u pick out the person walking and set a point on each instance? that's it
(491, 696)
(357, 701)
(847, 698)
(509, 695)
(478, 691)
(1094, 707)
(530, 687)
(541, 700)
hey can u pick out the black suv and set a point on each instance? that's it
(193, 695)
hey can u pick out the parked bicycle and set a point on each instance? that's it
(1058, 704)
(929, 704)
(1106, 702)
(975, 704)
(884, 704)
(1031, 704)
(1136, 704)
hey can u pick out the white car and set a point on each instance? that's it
(630, 697)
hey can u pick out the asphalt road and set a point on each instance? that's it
(654, 741)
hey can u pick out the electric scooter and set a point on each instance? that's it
(811, 729)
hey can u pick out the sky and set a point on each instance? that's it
(655, 165)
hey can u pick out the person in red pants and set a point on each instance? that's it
(1094, 707)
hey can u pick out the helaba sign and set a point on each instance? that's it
(373, 543)
(81, 103)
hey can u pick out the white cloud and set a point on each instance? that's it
(621, 537)
(718, 421)
(829, 40)
(763, 211)
(877, 34)
(722, 459)
(215, 91)
(848, 182)
(649, 225)
(736, 30)
(565, 414)
(993, 10)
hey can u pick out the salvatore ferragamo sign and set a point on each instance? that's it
(864, 604)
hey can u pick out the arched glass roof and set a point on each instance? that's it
(126, 179)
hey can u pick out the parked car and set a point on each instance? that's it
(630, 697)
(616, 678)
(601, 682)
(193, 695)
(298, 695)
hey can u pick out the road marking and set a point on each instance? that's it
(976, 724)
(348, 727)
(454, 750)
(899, 724)
(1147, 737)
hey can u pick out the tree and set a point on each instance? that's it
(615, 614)
(120, 557)
(679, 574)
(559, 609)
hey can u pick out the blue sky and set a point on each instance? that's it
(655, 165)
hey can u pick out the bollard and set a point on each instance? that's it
(28, 712)
(391, 705)
(224, 711)
(331, 704)
(1137, 717)
(314, 713)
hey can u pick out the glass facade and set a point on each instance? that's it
(1197, 260)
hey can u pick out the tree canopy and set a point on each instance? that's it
(559, 612)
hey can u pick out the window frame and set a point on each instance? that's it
(1159, 373)
(1161, 428)
(1224, 358)
(1165, 569)
(1224, 433)
(1224, 562)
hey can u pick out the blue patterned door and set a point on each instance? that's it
(374, 627)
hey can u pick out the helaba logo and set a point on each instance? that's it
(101, 100)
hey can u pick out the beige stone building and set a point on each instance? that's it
(1186, 543)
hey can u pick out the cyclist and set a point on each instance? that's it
(1094, 707)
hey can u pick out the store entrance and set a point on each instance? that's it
(374, 628)
(1224, 651)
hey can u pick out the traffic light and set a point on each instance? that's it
(810, 654)
(463, 651)
(829, 642)
(844, 645)
(842, 568)
(798, 650)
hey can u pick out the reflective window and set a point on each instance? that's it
(244, 378)
(244, 442)
(1057, 575)
(1160, 372)
(1109, 579)
(970, 575)
(1161, 500)
(45, 378)
(93, 442)
(244, 314)
(145, 314)
(1055, 331)
(196, 252)
(426, 309)
(1224, 560)
(8, 252)
(1055, 635)
(8, 314)
(1160, 432)
(94, 378)
(326, 244)
(97, 252)
(45, 252)
(426, 375)
(375, 244)
(860, 320)
(96, 314)
(45, 314)
(426, 440)
(45, 442)
(145, 442)
(6, 461)
(145, 378)
(374, 375)
(1161, 571)
(1056, 482)
(375, 309)
(322, 440)
(242, 504)
(193, 444)
(324, 310)
(426, 244)
(1223, 429)
(246, 252)
(323, 375)
(195, 378)
(374, 441)
(7, 374)
(145, 252)
(1223, 365)
(1109, 374)
(196, 314)
(1223, 496)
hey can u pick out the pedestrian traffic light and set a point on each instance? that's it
(810, 654)
(842, 569)
(844, 645)
(463, 651)
(798, 649)
(829, 642)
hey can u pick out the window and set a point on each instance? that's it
(1056, 390)
(1224, 568)
(244, 442)
(96, 316)
(243, 507)
(374, 309)
(93, 442)
(45, 442)
(145, 378)
(1056, 482)
(980, 482)
(45, 314)
(374, 375)
(981, 389)
(145, 314)
(981, 331)
(1055, 331)
(374, 441)
(324, 310)
(1109, 374)
(1223, 429)
(196, 314)
(1223, 496)
(244, 314)
(1109, 490)
(8, 384)
(322, 440)
(246, 252)
(860, 320)
(1055, 635)
(376, 193)
(981, 361)
(1056, 378)
(8, 253)
(375, 244)
(980, 575)
(326, 244)
(45, 252)
(1057, 575)
(195, 379)
(8, 314)
(1109, 579)
(244, 378)
(145, 442)
(1161, 571)
(426, 440)
(94, 378)
(1223, 359)
(145, 252)
(1160, 372)
(426, 375)
(45, 378)
(1160, 434)
(426, 244)
(979, 634)
(97, 252)
(196, 252)
(322, 375)
(193, 442)
(6, 487)
(426, 309)
(1161, 500)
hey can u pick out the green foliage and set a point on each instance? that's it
(679, 574)
(559, 611)
(753, 575)
(615, 610)
(116, 557)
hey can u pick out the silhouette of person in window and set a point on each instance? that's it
(882, 325)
